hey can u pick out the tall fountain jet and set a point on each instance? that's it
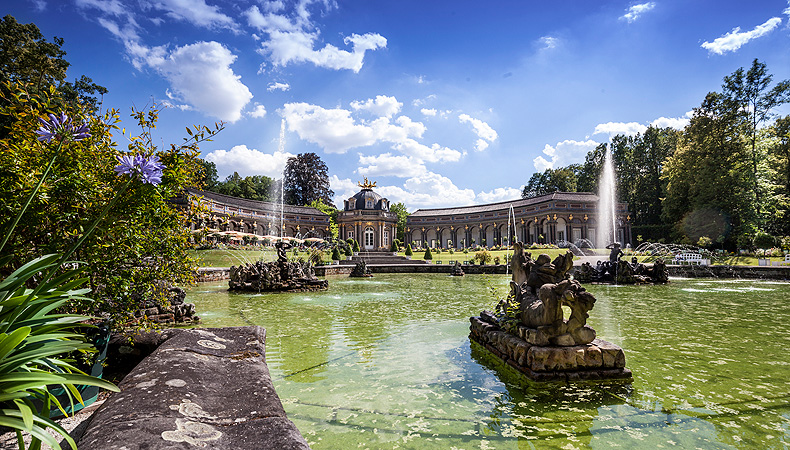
(281, 149)
(607, 224)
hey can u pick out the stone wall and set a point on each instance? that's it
(206, 388)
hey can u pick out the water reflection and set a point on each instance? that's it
(386, 363)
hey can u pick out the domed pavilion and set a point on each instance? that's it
(366, 218)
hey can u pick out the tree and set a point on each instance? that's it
(306, 179)
(708, 178)
(639, 162)
(209, 177)
(562, 179)
(749, 94)
(331, 211)
(255, 187)
(27, 58)
(403, 214)
(589, 173)
(779, 165)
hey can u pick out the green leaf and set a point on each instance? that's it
(27, 414)
(9, 342)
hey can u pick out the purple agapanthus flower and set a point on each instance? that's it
(61, 128)
(149, 168)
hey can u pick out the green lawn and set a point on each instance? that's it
(227, 257)
(445, 256)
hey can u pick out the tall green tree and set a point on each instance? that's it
(750, 94)
(639, 162)
(27, 58)
(208, 175)
(779, 165)
(562, 179)
(306, 179)
(403, 214)
(709, 183)
(589, 173)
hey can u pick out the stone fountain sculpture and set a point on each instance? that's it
(529, 330)
(276, 276)
(619, 271)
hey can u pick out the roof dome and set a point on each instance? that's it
(367, 199)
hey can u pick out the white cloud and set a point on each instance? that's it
(382, 106)
(499, 195)
(284, 48)
(635, 12)
(343, 189)
(388, 164)
(428, 190)
(293, 39)
(483, 131)
(563, 153)
(422, 101)
(278, 87)
(196, 12)
(735, 39)
(615, 128)
(428, 112)
(200, 74)
(336, 131)
(248, 162)
(258, 112)
(677, 123)
(433, 154)
(549, 42)
(110, 7)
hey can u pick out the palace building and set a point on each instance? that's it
(546, 219)
(366, 218)
(252, 217)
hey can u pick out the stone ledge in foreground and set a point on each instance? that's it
(205, 388)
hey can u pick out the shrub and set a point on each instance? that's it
(466, 251)
(356, 246)
(394, 246)
(408, 250)
(428, 254)
(764, 240)
(483, 257)
(349, 252)
(704, 242)
(335, 254)
(452, 251)
(497, 260)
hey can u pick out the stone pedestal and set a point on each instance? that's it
(599, 360)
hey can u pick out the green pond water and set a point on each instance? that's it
(386, 363)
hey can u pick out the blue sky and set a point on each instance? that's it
(443, 103)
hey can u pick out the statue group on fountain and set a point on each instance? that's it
(538, 290)
(617, 270)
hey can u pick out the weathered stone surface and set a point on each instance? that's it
(597, 361)
(201, 388)
(613, 356)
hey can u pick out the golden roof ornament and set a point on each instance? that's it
(367, 184)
